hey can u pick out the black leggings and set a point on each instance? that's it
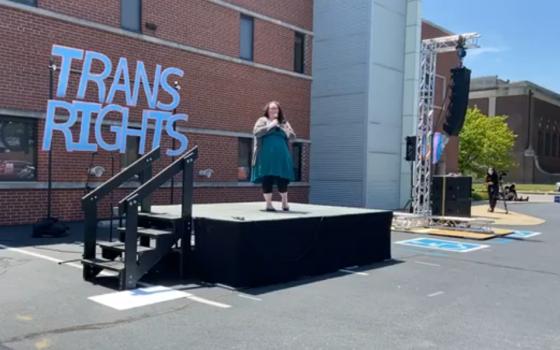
(493, 194)
(268, 182)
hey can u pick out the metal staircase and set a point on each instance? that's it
(146, 237)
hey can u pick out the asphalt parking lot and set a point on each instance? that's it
(505, 295)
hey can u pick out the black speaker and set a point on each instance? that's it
(451, 196)
(410, 148)
(458, 101)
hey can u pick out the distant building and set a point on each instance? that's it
(534, 116)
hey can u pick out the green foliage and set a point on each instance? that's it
(485, 142)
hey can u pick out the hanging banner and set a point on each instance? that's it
(440, 140)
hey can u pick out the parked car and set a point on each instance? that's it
(557, 187)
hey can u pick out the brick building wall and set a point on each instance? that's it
(222, 95)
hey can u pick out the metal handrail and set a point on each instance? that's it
(162, 177)
(133, 169)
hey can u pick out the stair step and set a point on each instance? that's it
(106, 264)
(151, 232)
(159, 216)
(119, 246)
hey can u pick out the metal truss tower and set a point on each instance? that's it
(424, 130)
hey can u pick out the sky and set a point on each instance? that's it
(520, 39)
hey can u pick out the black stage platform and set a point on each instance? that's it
(241, 245)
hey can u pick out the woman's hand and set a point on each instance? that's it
(273, 124)
(287, 128)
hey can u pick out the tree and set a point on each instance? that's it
(485, 142)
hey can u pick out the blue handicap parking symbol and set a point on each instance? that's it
(523, 234)
(440, 244)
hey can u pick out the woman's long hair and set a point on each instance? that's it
(280, 113)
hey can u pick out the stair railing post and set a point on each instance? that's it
(90, 229)
(145, 175)
(130, 241)
(186, 212)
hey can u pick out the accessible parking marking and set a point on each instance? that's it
(440, 244)
(523, 234)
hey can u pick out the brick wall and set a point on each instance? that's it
(296, 12)
(216, 94)
(100, 11)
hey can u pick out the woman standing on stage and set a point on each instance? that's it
(272, 161)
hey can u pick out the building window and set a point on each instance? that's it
(132, 151)
(246, 38)
(27, 2)
(245, 152)
(18, 156)
(554, 151)
(299, 52)
(131, 15)
(547, 144)
(540, 143)
(296, 156)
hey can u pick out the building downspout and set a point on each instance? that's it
(529, 151)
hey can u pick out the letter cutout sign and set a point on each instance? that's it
(159, 113)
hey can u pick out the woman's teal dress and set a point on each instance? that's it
(273, 157)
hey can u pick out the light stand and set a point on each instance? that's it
(52, 68)
(49, 226)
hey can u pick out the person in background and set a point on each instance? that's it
(272, 162)
(492, 186)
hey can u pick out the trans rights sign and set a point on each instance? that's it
(158, 113)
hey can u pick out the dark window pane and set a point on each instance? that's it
(18, 159)
(540, 143)
(131, 14)
(27, 2)
(547, 144)
(244, 159)
(296, 156)
(131, 153)
(246, 38)
(299, 52)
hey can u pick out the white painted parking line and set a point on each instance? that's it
(208, 302)
(103, 273)
(354, 272)
(190, 296)
(26, 252)
(134, 298)
(435, 294)
(225, 286)
(249, 297)
(426, 263)
(49, 258)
